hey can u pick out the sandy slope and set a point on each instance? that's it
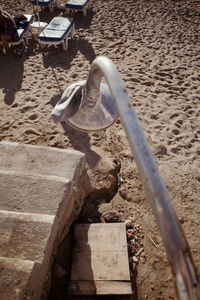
(155, 46)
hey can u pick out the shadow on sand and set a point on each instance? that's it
(79, 140)
(11, 75)
(55, 57)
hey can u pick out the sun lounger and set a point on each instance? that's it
(22, 32)
(79, 5)
(43, 3)
(57, 32)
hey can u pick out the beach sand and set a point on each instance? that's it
(155, 47)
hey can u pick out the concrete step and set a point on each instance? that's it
(42, 191)
(15, 277)
(41, 160)
(24, 235)
(40, 194)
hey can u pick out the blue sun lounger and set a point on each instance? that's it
(57, 32)
(79, 5)
(43, 3)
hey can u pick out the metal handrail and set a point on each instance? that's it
(177, 249)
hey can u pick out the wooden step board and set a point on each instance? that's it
(100, 260)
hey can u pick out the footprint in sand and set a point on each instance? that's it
(14, 105)
(33, 117)
(174, 115)
(31, 131)
(175, 131)
(25, 109)
(178, 123)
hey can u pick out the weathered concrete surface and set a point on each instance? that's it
(33, 193)
(15, 276)
(24, 236)
(32, 159)
(42, 191)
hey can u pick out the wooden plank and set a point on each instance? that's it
(100, 260)
(99, 288)
(100, 265)
(105, 236)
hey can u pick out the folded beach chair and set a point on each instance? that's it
(22, 32)
(77, 5)
(57, 32)
(43, 3)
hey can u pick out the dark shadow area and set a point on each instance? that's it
(134, 284)
(89, 212)
(85, 48)
(79, 140)
(11, 75)
(90, 209)
(54, 100)
(61, 269)
(57, 57)
(68, 263)
(44, 14)
(82, 21)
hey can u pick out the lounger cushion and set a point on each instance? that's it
(41, 3)
(20, 32)
(56, 30)
(76, 4)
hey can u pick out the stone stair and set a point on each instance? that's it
(42, 191)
